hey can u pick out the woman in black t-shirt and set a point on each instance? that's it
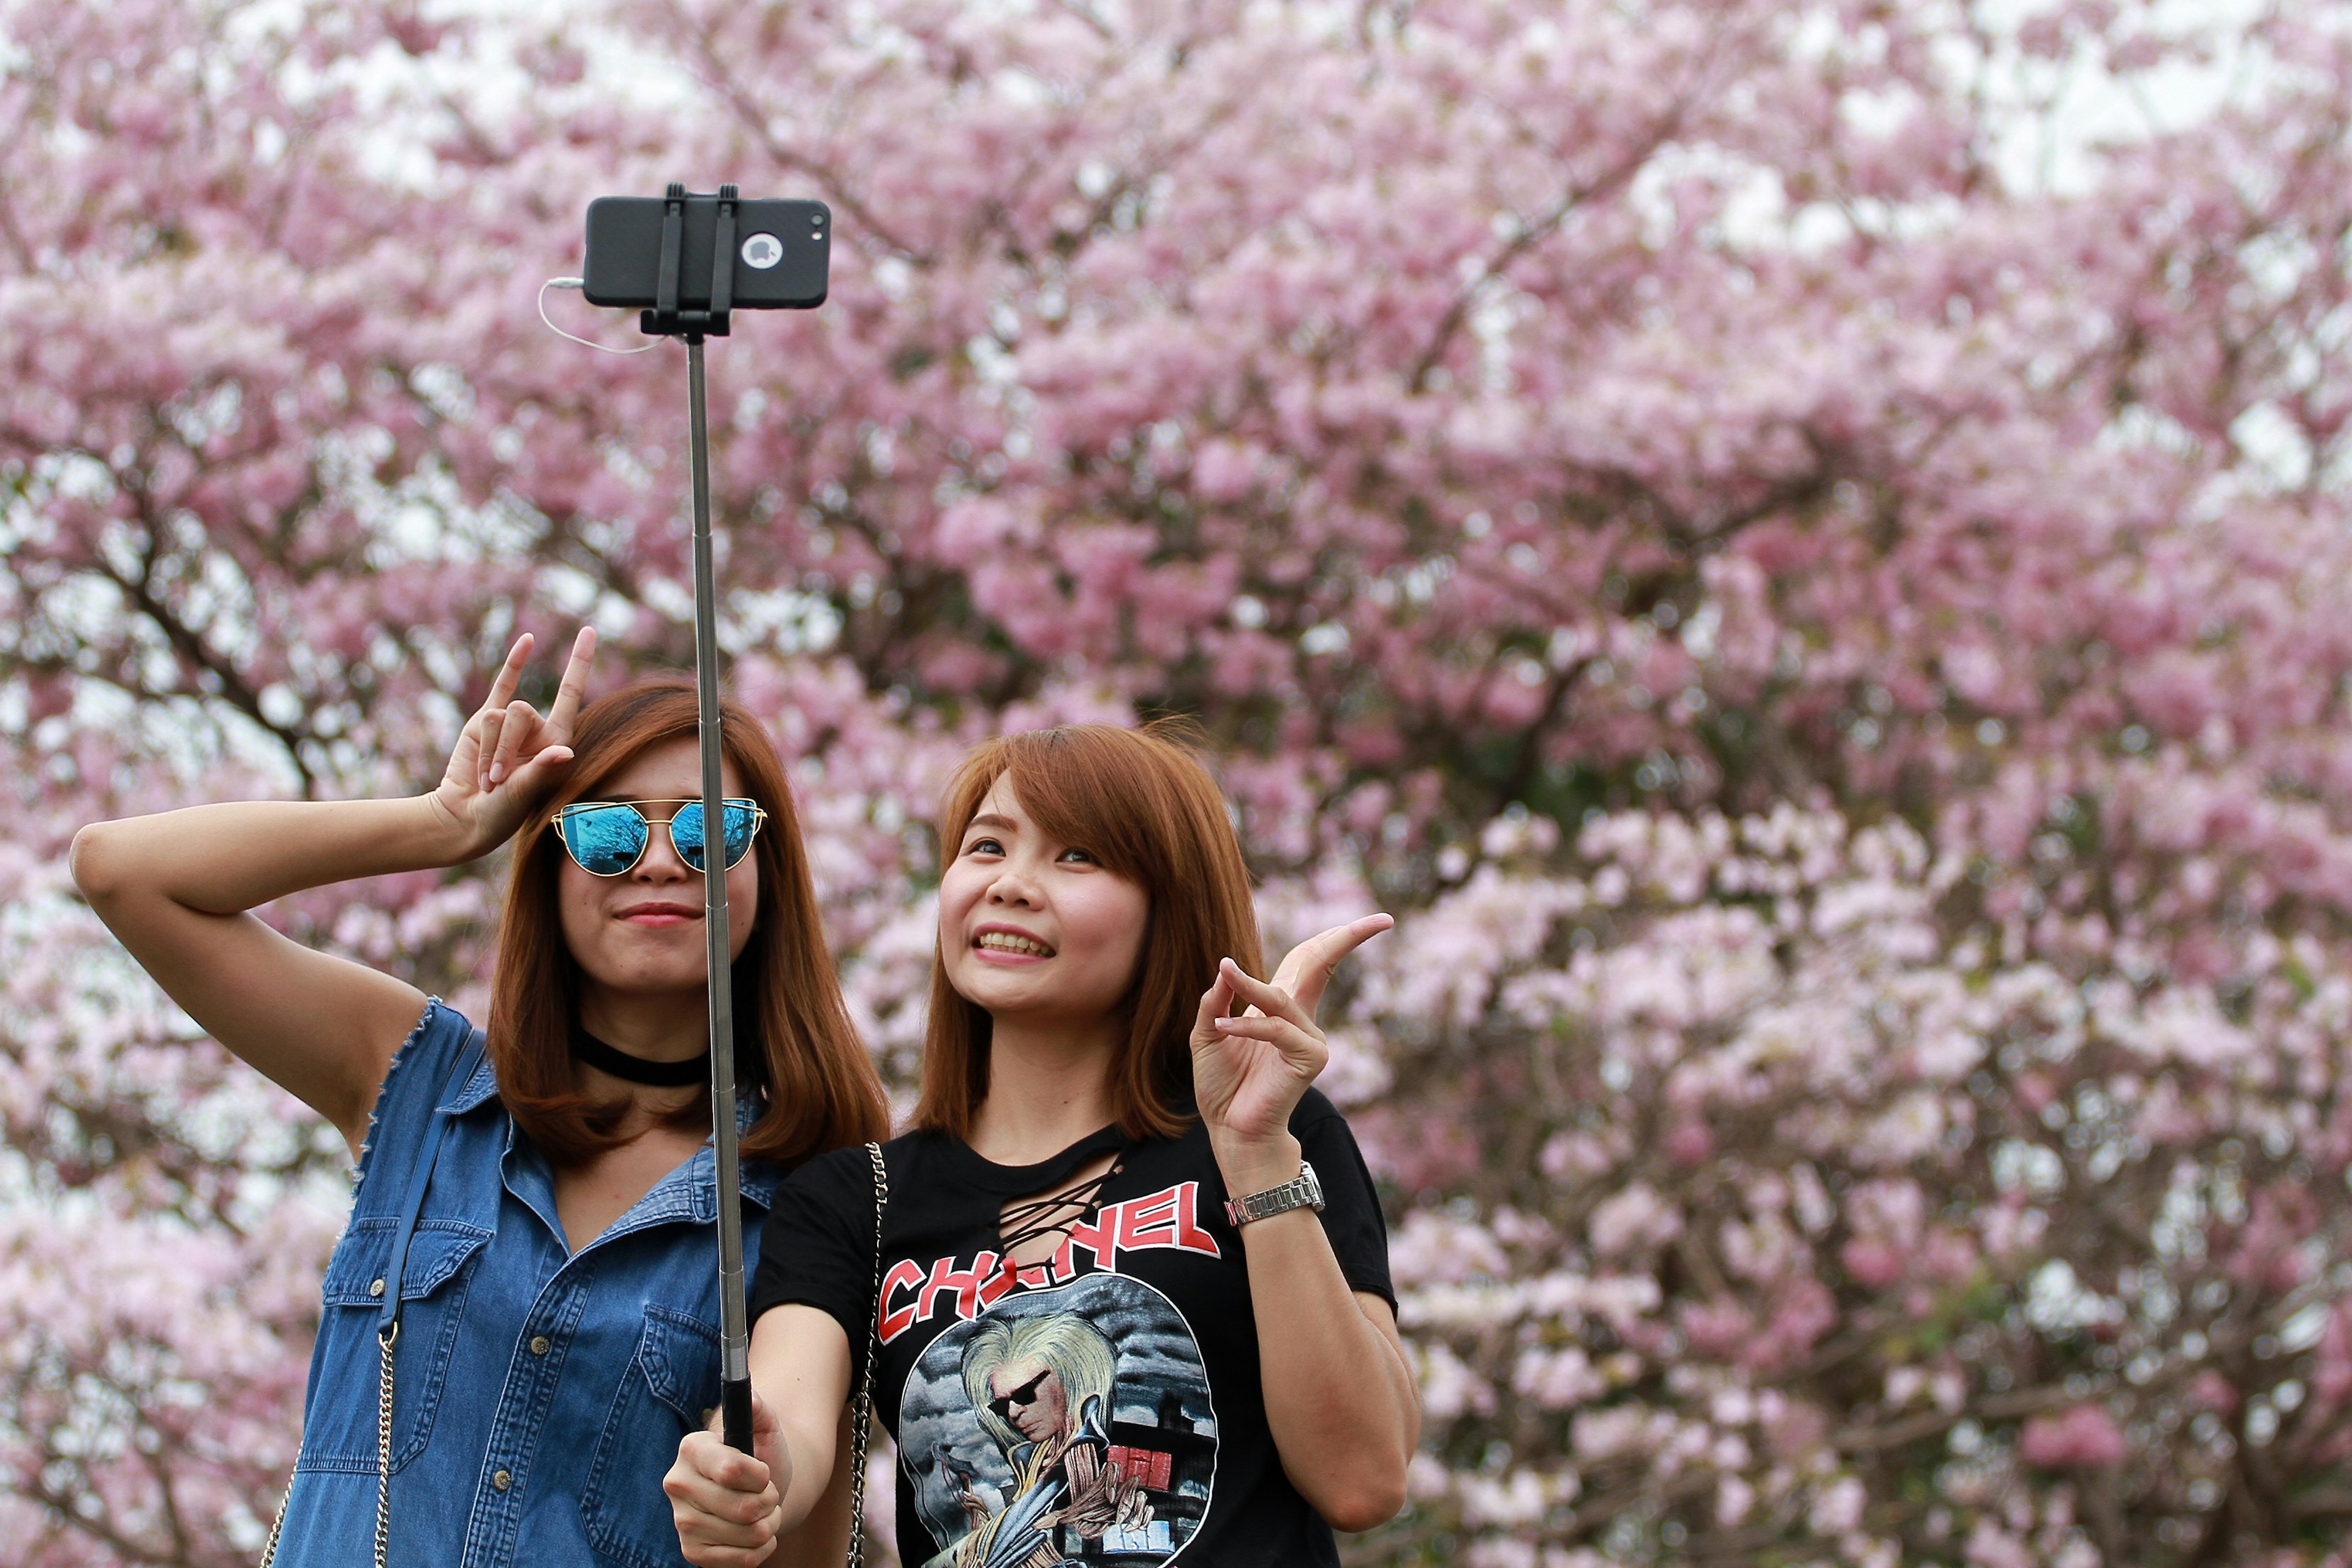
(1086, 1353)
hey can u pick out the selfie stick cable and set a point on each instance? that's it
(575, 337)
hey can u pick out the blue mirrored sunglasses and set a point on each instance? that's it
(608, 838)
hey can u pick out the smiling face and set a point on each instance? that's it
(641, 932)
(1033, 930)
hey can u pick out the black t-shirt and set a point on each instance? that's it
(1102, 1407)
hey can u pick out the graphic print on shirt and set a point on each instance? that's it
(1164, 1220)
(1062, 1426)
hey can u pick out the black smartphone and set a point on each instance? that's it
(783, 252)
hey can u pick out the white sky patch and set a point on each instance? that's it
(2049, 121)
(2274, 446)
(2066, 109)
(400, 95)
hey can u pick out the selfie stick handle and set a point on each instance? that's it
(734, 1334)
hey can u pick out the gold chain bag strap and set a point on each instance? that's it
(861, 1419)
(387, 1330)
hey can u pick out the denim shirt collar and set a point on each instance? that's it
(470, 1093)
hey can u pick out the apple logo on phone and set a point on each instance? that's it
(763, 251)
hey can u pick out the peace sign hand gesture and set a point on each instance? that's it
(509, 755)
(1256, 1047)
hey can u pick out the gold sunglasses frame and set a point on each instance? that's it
(759, 820)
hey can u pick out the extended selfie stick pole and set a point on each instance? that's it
(666, 320)
(734, 1331)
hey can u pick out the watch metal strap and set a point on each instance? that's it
(1302, 1192)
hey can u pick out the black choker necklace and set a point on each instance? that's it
(619, 1064)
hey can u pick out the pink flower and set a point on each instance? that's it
(2080, 1437)
(1876, 1264)
(1633, 1220)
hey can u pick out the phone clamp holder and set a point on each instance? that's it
(666, 320)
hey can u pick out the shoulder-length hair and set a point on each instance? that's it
(794, 1046)
(1143, 804)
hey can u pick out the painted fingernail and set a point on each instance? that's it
(498, 772)
(1227, 1023)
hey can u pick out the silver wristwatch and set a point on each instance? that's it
(1302, 1192)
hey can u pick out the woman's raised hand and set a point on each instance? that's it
(1256, 1047)
(1305, 970)
(510, 755)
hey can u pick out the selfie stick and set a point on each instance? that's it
(666, 320)
(782, 276)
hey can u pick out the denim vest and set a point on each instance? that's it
(538, 1396)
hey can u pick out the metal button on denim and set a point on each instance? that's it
(480, 1395)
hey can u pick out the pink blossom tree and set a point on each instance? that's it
(1821, 622)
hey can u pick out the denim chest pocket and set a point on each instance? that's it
(663, 1395)
(340, 1433)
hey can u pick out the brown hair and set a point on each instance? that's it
(1143, 804)
(793, 1042)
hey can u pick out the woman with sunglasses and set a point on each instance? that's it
(522, 1320)
(1131, 1295)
